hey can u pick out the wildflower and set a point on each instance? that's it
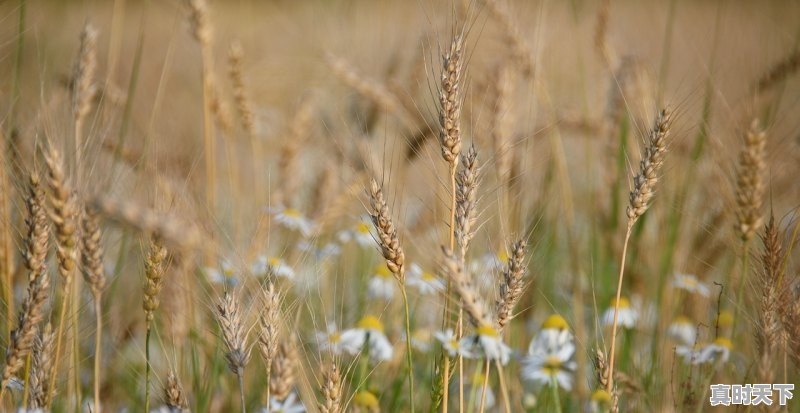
(725, 319)
(600, 401)
(421, 340)
(320, 254)
(683, 330)
(265, 265)
(549, 355)
(294, 220)
(691, 284)
(329, 340)
(382, 283)
(366, 400)
(488, 342)
(289, 405)
(368, 331)
(361, 234)
(452, 344)
(554, 334)
(225, 274)
(627, 315)
(717, 351)
(424, 281)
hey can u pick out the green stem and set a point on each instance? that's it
(147, 369)
(240, 375)
(556, 399)
(408, 348)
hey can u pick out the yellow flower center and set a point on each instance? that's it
(487, 330)
(362, 228)
(690, 281)
(370, 323)
(426, 276)
(454, 344)
(334, 337)
(502, 256)
(383, 271)
(292, 213)
(552, 365)
(623, 302)
(555, 322)
(274, 261)
(725, 319)
(724, 342)
(682, 320)
(601, 396)
(366, 399)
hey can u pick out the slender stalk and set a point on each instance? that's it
(241, 390)
(742, 282)
(408, 348)
(556, 399)
(147, 369)
(446, 367)
(97, 343)
(503, 388)
(612, 357)
(59, 336)
(484, 387)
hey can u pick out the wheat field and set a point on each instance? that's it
(401, 206)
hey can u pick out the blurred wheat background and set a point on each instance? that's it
(343, 205)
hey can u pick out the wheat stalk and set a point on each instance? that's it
(392, 251)
(94, 274)
(638, 202)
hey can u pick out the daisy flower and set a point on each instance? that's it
(553, 335)
(420, 340)
(361, 234)
(294, 220)
(327, 251)
(225, 274)
(382, 283)
(548, 365)
(725, 319)
(600, 401)
(452, 344)
(329, 340)
(368, 331)
(366, 400)
(423, 281)
(683, 330)
(290, 405)
(488, 342)
(627, 315)
(691, 284)
(265, 265)
(717, 351)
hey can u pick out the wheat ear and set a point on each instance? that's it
(331, 390)
(228, 315)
